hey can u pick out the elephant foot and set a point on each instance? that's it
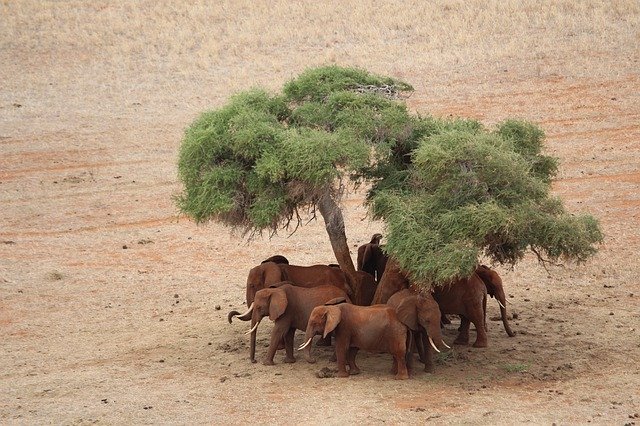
(478, 344)
(289, 360)
(460, 341)
(343, 374)
(267, 362)
(429, 369)
(311, 360)
(333, 358)
(253, 361)
(354, 371)
(402, 376)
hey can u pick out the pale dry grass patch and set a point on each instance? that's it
(193, 36)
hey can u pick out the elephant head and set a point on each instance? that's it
(417, 312)
(261, 277)
(323, 320)
(268, 301)
(493, 282)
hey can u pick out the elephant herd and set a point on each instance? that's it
(378, 311)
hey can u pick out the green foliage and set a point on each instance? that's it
(470, 192)
(449, 191)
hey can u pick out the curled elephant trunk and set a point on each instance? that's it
(244, 317)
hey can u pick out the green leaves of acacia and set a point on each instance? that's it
(449, 191)
(253, 162)
(474, 192)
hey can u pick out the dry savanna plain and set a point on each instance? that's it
(113, 306)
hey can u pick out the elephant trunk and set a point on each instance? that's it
(435, 336)
(252, 344)
(244, 317)
(503, 314)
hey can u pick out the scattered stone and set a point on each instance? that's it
(175, 296)
(105, 401)
(124, 247)
(218, 307)
(326, 373)
(147, 407)
(223, 379)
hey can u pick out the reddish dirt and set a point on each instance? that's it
(113, 307)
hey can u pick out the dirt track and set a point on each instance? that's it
(113, 308)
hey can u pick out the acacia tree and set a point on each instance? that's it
(448, 191)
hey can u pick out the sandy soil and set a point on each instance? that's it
(113, 308)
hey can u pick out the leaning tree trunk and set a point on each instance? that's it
(334, 223)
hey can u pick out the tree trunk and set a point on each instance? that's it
(334, 223)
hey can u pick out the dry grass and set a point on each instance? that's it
(260, 40)
(104, 89)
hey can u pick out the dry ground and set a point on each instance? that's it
(113, 309)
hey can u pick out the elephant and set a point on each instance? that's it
(266, 274)
(371, 258)
(276, 259)
(466, 297)
(289, 307)
(421, 314)
(372, 328)
(493, 282)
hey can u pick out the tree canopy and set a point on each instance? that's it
(448, 190)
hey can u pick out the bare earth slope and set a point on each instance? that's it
(113, 308)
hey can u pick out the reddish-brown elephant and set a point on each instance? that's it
(268, 273)
(372, 328)
(421, 314)
(289, 307)
(466, 297)
(371, 258)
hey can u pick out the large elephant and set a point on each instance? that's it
(371, 258)
(289, 306)
(268, 273)
(421, 314)
(466, 297)
(493, 282)
(372, 328)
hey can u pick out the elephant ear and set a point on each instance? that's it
(333, 319)
(407, 312)
(278, 304)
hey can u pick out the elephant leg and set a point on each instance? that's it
(288, 346)
(399, 364)
(277, 336)
(421, 345)
(428, 355)
(353, 368)
(463, 335)
(481, 333)
(342, 349)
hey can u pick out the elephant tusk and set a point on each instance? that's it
(249, 311)
(501, 305)
(305, 344)
(433, 344)
(445, 345)
(253, 329)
